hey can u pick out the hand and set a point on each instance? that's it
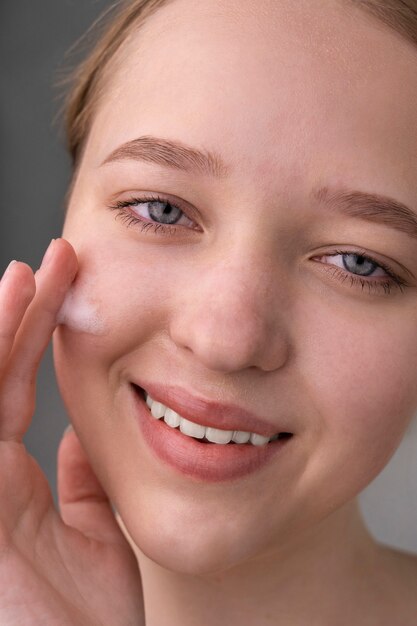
(67, 568)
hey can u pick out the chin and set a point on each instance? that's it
(198, 550)
(197, 557)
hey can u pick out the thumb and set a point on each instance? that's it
(83, 503)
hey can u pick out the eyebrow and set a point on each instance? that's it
(172, 154)
(372, 207)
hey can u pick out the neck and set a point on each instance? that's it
(308, 581)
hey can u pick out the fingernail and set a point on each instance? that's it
(8, 268)
(48, 254)
(68, 429)
(10, 265)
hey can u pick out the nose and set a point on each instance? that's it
(230, 319)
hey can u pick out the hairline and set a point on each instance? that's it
(376, 10)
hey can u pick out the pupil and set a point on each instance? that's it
(160, 210)
(355, 262)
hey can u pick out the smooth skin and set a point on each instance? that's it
(291, 95)
(72, 566)
(239, 305)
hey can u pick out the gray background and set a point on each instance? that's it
(35, 36)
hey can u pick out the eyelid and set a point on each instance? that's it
(392, 278)
(374, 257)
(142, 196)
(368, 256)
(194, 215)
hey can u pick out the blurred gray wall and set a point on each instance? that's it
(34, 172)
(35, 36)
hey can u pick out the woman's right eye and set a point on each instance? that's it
(166, 215)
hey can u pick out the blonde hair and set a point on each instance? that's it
(114, 26)
(126, 16)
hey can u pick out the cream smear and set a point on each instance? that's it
(80, 314)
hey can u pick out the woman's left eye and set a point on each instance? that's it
(360, 269)
(166, 215)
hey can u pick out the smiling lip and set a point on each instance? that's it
(202, 462)
(209, 413)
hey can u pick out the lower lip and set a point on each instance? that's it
(206, 462)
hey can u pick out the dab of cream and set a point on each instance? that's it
(80, 314)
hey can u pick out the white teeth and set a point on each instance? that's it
(215, 435)
(158, 409)
(240, 436)
(218, 436)
(258, 440)
(191, 429)
(172, 418)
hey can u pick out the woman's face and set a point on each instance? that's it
(248, 300)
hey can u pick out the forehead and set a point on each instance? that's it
(307, 79)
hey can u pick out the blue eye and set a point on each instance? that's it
(166, 216)
(355, 263)
(358, 266)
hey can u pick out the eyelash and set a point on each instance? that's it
(394, 282)
(121, 207)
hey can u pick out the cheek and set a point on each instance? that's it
(360, 373)
(81, 312)
(116, 304)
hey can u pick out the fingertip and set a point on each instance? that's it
(70, 251)
(69, 444)
(23, 279)
(30, 282)
(62, 261)
(68, 430)
(64, 242)
(21, 265)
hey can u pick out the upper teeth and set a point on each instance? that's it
(215, 435)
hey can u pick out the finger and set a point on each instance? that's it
(17, 290)
(83, 503)
(18, 383)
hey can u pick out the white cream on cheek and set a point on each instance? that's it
(80, 314)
